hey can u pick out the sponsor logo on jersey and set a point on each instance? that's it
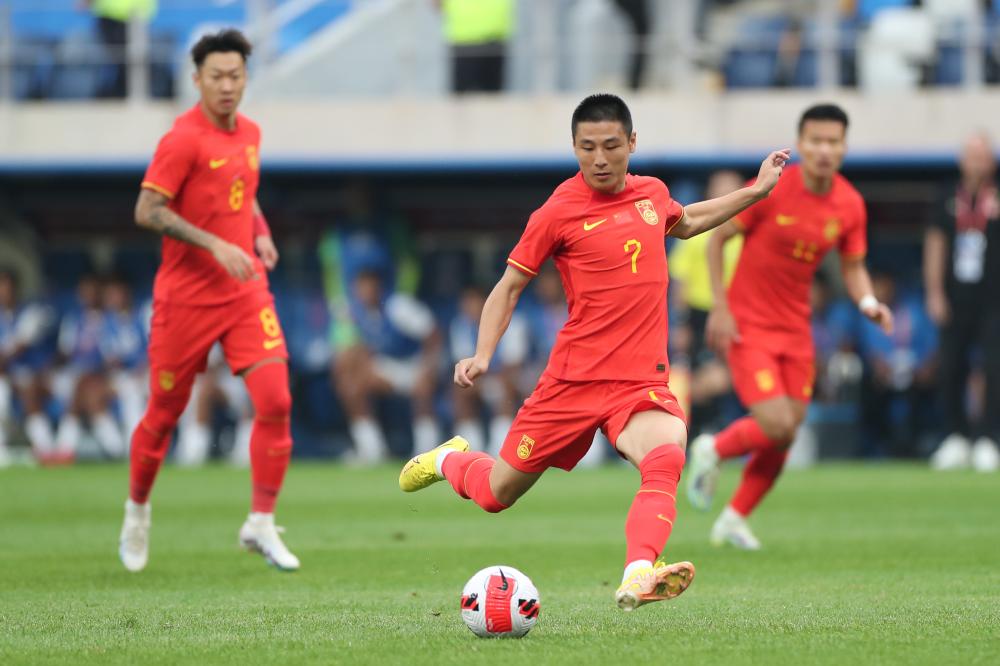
(587, 226)
(785, 220)
(215, 164)
(645, 208)
(525, 447)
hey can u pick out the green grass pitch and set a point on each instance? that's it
(862, 565)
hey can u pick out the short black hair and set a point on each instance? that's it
(824, 112)
(224, 41)
(601, 107)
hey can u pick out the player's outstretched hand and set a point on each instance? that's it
(266, 250)
(236, 262)
(770, 170)
(720, 329)
(882, 316)
(467, 370)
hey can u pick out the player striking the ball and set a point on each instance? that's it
(605, 230)
(200, 193)
(764, 326)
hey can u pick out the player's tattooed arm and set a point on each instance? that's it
(151, 212)
(706, 215)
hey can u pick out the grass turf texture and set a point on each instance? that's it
(863, 564)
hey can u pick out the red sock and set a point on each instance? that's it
(759, 475)
(742, 436)
(147, 454)
(271, 438)
(654, 508)
(469, 474)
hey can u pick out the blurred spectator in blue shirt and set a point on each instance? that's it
(396, 350)
(82, 383)
(500, 389)
(123, 343)
(23, 327)
(899, 389)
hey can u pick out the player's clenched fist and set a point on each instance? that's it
(236, 262)
(770, 170)
(468, 369)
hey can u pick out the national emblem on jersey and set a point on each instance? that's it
(645, 208)
(765, 380)
(525, 447)
(167, 380)
(831, 229)
(252, 160)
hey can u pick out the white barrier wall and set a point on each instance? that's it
(500, 128)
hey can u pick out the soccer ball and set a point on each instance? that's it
(500, 602)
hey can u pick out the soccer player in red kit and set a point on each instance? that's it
(605, 229)
(200, 193)
(764, 324)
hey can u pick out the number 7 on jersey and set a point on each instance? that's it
(633, 243)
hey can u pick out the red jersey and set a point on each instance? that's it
(786, 237)
(610, 252)
(210, 176)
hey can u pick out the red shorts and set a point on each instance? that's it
(182, 335)
(556, 425)
(761, 374)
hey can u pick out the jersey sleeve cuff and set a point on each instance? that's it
(853, 256)
(667, 230)
(521, 267)
(150, 185)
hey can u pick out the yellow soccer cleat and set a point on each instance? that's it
(421, 471)
(656, 583)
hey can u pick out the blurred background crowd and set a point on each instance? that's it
(386, 264)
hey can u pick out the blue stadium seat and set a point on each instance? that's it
(949, 67)
(753, 60)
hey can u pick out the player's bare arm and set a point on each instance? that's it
(707, 215)
(720, 328)
(496, 317)
(935, 260)
(262, 241)
(151, 212)
(859, 287)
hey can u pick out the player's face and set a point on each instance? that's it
(602, 149)
(822, 145)
(221, 80)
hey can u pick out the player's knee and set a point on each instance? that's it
(163, 411)
(269, 393)
(780, 426)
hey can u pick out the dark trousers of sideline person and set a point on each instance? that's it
(973, 326)
(478, 67)
(114, 36)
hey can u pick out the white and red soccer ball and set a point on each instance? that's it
(500, 602)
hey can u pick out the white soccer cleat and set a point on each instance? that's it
(732, 528)
(954, 453)
(985, 457)
(260, 535)
(133, 544)
(703, 475)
